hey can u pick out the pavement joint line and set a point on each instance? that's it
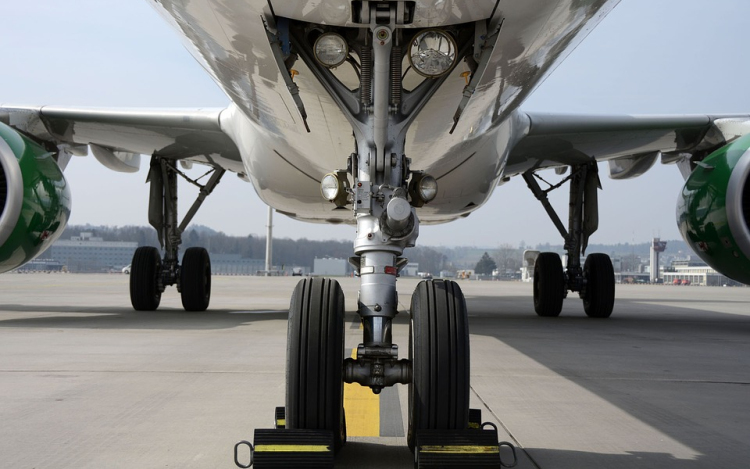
(507, 430)
(636, 380)
(148, 371)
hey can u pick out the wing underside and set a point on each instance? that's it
(118, 137)
(631, 144)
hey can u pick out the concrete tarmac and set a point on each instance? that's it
(86, 382)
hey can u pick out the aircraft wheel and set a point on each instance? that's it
(439, 354)
(145, 294)
(315, 357)
(195, 279)
(599, 296)
(549, 285)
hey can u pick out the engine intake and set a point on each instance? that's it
(713, 212)
(34, 199)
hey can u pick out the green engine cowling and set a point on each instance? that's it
(713, 212)
(34, 199)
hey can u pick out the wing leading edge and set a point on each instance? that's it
(631, 144)
(117, 137)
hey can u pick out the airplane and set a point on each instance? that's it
(385, 115)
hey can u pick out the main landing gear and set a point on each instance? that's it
(150, 274)
(595, 280)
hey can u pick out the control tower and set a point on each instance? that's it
(657, 246)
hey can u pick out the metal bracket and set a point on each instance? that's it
(583, 215)
(205, 191)
(162, 211)
(377, 367)
(399, 12)
(278, 54)
(483, 47)
(362, 196)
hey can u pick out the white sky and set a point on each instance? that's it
(647, 57)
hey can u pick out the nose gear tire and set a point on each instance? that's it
(439, 353)
(315, 356)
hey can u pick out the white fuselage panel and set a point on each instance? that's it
(285, 162)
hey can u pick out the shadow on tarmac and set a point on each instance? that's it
(126, 318)
(682, 371)
(362, 455)
(108, 317)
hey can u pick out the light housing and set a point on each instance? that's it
(422, 188)
(331, 50)
(334, 188)
(433, 53)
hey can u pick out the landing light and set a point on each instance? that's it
(432, 53)
(334, 187)
(331, 50)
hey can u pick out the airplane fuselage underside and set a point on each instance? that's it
(229, 39)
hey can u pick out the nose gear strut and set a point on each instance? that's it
(384, 204)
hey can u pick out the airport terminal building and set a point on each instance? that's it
(695, 273)
(88, 253)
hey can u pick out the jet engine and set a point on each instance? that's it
(34, 199)
(713, 212)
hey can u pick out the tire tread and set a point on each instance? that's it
(195, 290)
(144, 289)
(439, 349)
(314, 397)
(549, 285)
(599, 299)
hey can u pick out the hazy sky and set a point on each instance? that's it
(647, 57)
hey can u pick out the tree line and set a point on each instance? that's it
(302, 252)
(287, 252)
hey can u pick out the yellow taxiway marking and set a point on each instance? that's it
(458, 449)
(292, 448)
(362, 409)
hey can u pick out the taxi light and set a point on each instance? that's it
(422, 188)
(433, 53)
(331, 50)
(428, 188)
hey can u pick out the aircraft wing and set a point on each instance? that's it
(631, 144)
(117, 138)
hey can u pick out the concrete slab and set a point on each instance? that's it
(86, 382)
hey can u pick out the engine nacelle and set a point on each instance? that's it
(713, 212)
(34, 199)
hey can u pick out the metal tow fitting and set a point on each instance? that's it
(236, 454)
(507, 444)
